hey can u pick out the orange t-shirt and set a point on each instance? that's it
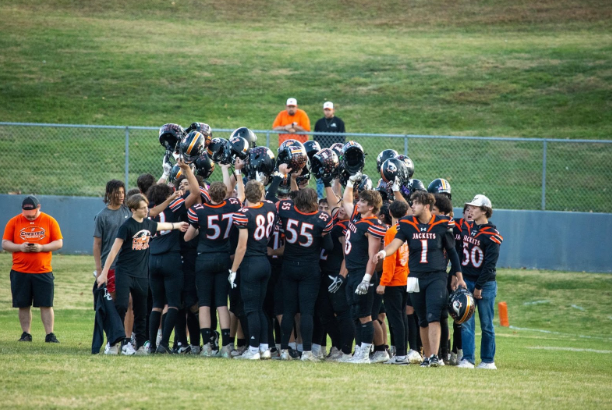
(283, 118)
(395, 268)
(42, 230)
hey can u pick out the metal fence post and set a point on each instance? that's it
(406, 145)
(127, 157)
(544, 175)
(268, 139)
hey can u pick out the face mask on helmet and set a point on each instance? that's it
(383, 156)
(192, 146)
(365, 183)
(220, 151)
(353, 157)
(284, 188)
(170, 136)
(204, 166)
(247, 134)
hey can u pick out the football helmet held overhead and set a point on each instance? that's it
(461, 305)
(204, 166)
(409, 164)
(247, 134)
(240, 147)
(220, 151)
(292, 153)
(170, 135)
(394, 169)
(175, 173)
(337, 148)
(353, 157)
(440, 186)
(312, 147)
(382, 189)
(203, 129)
(192, 146)
(324, 164)
(364, 184)
(383, 156)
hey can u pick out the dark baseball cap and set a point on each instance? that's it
(30, 205)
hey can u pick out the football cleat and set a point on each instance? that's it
(265, 355)
(425, 362)
(142, 351)
(206, 351)
(454, 359)
(127, 349)
(249, 355)
(414, 357)
(361, 357)
(195, 350)
(309, 357)
(285, 355)
(345, 358)
(380, 357)
(161, 349)
(334, 355)
(434, 361)
(226, 351)
(238, 351)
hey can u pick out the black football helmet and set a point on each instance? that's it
(175, 173)
(337, 148)
(365, 183)
(285, 187)
(392, 168)
(416, 185)
(260, 164)
(312, 147)
(353, 157)
(170, 135)
(440, 186)
(240, 147)
(192, 146)
(461, 305)
(204, 166)
(324, 164)
(292, 153)
(220, 151)
(203, 129)
(382, 189)
(247, 134)
(383, 156)
(409, 164)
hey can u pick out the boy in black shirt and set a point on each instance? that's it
(131, 248)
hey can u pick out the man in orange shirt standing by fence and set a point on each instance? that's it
(292, 120)
(31, 237)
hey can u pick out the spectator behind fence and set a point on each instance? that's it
(329, 123)
(31, 237)
(292, 120)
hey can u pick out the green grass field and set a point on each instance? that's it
(557, 356)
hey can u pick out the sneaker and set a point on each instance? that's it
(161, 349)
(215, 353)
(294, 354)
(425, 362)
(361, 357)
(25, 337)
(309, 357)
(490, 366)
(414, 357)
(112, 350)
(248, 355)
(106, 347)
(226, 351)
(334, 355)
(195, 350)
(285, 355)
(380, 357)
(265, 355)
(184, 349)
(434, 361)
(127, 349)
(392, 351)
(345, 358)
(50, 338)
(238, 351)
(206, 350)
(454, 359)
(464, 364)
(399, 360)
(142, 351)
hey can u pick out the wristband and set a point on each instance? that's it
(237, 172)
(350, 184)
(367, 277)
(384, 252)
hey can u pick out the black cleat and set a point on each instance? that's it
(434, 361)
(50, 338)
(25, 337)
(161, 349)
(425, 362)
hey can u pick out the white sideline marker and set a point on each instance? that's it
(570, 349)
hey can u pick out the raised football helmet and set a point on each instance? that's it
(247, 134)
(383, 156)
(461, 305)
(292, 153)
(170, 135)
(192, 146)
(409, 164)
(416, 185)
(312, 147)
(324, 164)
(175, 173)
(382, 189)
(204, 166)
(353, 157)
(440, 186)
(260, 164)
(392, 169)
(240, 147)
(220, 151)
(304, 177)
(365, 183)
(203, 129)
(337, 148)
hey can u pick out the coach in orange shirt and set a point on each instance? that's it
(292, 120)
(31, 237)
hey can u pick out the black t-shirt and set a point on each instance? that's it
(303, 232)
(133, 258)
(333, 124)
(260, 222)
(168, 241)
(427, 243)
(356, 243)
(214, 223)
(331, 261)
(480, 252)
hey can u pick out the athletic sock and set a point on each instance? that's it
(180, 332)
(154, 319)
(380, 348)
(206, 333)
(193, 325)
(254, 349)
(367, 333)
(263, 347)
(358, 329)
(293, 345)
(240, 342)
(168, 326)
(225, 337)
(412, 333)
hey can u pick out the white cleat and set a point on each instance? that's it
(414, 357)
(226, 351)
(142, 351)
(380, 357)
(128, 350)
(464, 364)
(334, 355)
(238, 351)
(265, 355)
(195, 350)
(489, 366)
(345, 358)
(285, 355)
(248, 355)
(206, 351)
(361, 357)
(454, 359)
(309, 357)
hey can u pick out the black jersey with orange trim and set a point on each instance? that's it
(459, 223)
(480, 252)
(168, 241)
(356, 240)
(427, 243)
(214, 223)
(331, 261)
(277, 240)
(303, 232)
(259, 220)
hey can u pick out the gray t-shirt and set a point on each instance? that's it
(107, 223)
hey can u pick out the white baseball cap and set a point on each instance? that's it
(291, 101)
(328, 104)
(480, 200)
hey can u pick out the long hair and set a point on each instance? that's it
(112, 188)
(306, 200)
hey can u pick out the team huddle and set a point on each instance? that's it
(279, 268)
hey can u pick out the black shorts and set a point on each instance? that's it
(361, 304)
(212, 271)
(32, 289)
(431, 299)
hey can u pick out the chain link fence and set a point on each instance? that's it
(515, 173)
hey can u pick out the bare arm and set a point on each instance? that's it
(194, 189)
(238, 165)
(167, 226)
(229, 182)
(10, 246)
(388, 251)
(243, 237)
(191, 233)
(97, 253)
(373, 248)
(102, 276)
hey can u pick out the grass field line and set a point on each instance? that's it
(570, 349)
(552, 332)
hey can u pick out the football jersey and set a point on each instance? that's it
(480, 252)
(459, 223)
(168, 241)
(303, 232)
(259, 220)
(214, 223)
(331, 261)
(277, 240)
(356, 243)
(426, 243)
